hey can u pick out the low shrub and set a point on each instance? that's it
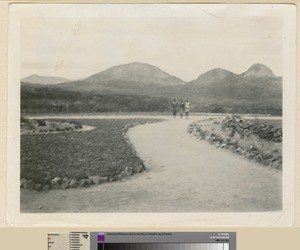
(103, 151)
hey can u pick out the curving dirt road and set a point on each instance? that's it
(199, 177)
(184, 175)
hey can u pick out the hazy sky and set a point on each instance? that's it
(182, 46)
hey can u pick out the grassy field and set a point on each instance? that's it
(103, 151)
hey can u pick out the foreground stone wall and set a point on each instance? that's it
(256, 142)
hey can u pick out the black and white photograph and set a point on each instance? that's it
(152, 108)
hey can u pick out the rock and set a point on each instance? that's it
(46, 187)
(103, 180)
(234, 142)
(90, 182)
(111, 179)
(223, 145)
(82, 183)
(129, 171)
(232, 133)
(85, 183)
(250, 155)
(65, 180)
(56, 179)
(239, 151)
(259, 157)
(95, 179)
(137, 169)
(73, 184)
(38, 187)
(65, 183)
(29, 184)
(56, 183)
(207, 137)
(117, 177)
(23, 180)
(123, 175)
(211, 140)
(275, 165)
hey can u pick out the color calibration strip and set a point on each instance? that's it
(142, 241)
(163, 246)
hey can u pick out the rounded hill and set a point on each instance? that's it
(259, 70)
(141, 73)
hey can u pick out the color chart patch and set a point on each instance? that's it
(101, 237)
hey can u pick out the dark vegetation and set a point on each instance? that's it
(49, 99)
(53, 100)
(37, 126)
(231, 106)
(103, 151)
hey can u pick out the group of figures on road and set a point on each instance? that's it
(181, 107)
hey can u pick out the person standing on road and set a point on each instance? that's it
(174, 107)
(187, 108)
(181, 108)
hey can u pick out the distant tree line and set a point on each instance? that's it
(51, 100)
(40, 99)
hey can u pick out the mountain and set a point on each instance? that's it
(131, 78)
(213, 76)
(135, 73)
(256, 71)
(129, 87)
(36, 79)
(259, 71)
(258, 82)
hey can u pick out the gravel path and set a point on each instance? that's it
(184, 175)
